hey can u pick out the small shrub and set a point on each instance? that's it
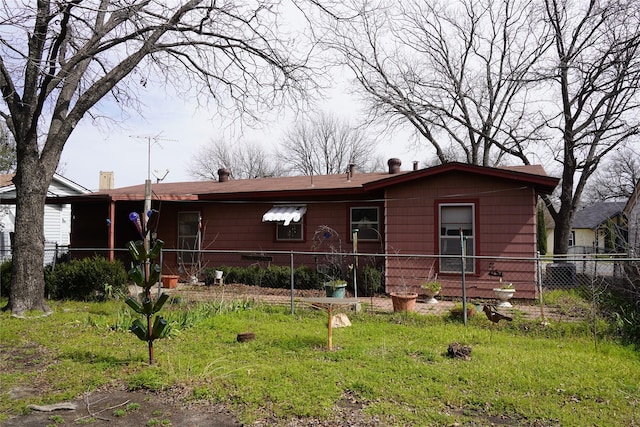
(5, 278)
(306, 278)
(626, 322)
(276, 277)
(133, 406)
(273, 276)
(457, 311)
(57, 419)
(88, 279)
(119, 412)
(370, 281)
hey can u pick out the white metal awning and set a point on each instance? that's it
(285, 214)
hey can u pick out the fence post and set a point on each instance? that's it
(464, 285)
(292, 283)
(160, 276)
(539, 280)
(355, 264)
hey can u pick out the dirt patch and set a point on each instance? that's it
(138, 408)
(124, 408)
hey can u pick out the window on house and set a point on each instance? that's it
(572, 238)
(289, 221)
(292, 231)
(453, 219)
(189, 237)
(366, 220)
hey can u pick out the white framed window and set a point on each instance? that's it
(189, 237)
(454, 218)
(367, 220)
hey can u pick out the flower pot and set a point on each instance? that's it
(169, 281)
(403, 301)
(430, 296)
(335, 291)
(504, 295)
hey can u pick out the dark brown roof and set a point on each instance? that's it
(311, 186)
(248, 188)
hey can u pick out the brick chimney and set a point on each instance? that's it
(351, 171)
(394, 165)
(223, 175)
(105, 181)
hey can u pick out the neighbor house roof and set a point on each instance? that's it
(318, 185)
(7, 187)
(593, 216)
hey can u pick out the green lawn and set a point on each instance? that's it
(396, 364)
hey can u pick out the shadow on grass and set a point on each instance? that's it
(86, 356)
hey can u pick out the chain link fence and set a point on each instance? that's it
(564, 288)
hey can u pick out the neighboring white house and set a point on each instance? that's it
(57, 218)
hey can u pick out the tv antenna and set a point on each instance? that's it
(147, 184)
(156, 173)
(152, 140)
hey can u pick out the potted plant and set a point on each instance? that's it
(335, 288)
(403, 301)
(504, 293)
(331, 262)
(170, 281)
(431, 289)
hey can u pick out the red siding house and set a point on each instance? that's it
(397, 213)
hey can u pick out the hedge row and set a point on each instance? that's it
(369, 278)
(273, 276)
(88, 279)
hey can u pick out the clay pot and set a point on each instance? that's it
(403, 301)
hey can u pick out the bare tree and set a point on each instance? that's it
(325, 144)
(243, 159)
(498, 78)
(458, 72)
(59, 59)
(616, 179)
(595, 74)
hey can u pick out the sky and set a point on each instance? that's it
(169, 134)
(172, 131)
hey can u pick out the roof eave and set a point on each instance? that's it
(283, 194)
(542, 183)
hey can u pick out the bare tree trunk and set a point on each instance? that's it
(561, 233)
(73, 55)
(27, 273)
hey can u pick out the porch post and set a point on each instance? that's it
(111, 232)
